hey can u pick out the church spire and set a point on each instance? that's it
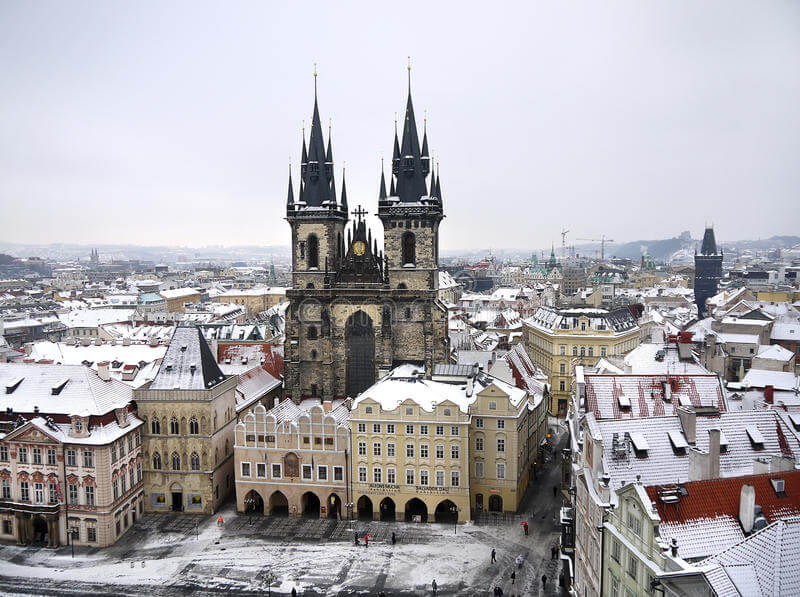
(382, 192)
(426, 159)
(316, 179)
(344, 192)
(438, 184)
(290, 197)
(396, 150)
(410, 171)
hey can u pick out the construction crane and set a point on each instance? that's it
(564, 232)
(602, 240)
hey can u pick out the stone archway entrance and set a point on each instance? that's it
(364, 506)
(360, 343)
(444, 512)
(310, 504)
(39, 530)
(388, 510)
(416, 507)
(495, 503)
(253, 503)
(278, 504)
(334, 506)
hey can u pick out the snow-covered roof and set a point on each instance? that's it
(178, 293)
(60, 389)
(642, 360)
(253, 385)
(789, 331)
(775, 352)
(188, 363)
(661, 464)
(446, 280)
(633, 396)
(99, 435)
(761, 378)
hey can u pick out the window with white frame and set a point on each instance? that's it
(37, 456)
(88, 492)
(440, 478)
(409, 450)
(245, 469)
(377, 475)
(390, 449)
(88, 458)
(440, 451)
(409, 430)
(454, 430)
(71, 457)
(602, 351)
(501, 444)
(493, 406)
(633, 566)
(4, 453)
(390, 428)
(362, 448)
(391, 477)
(362, 474)
(479, 444)
(501, 470)
(455, 478)
(376, 448)
(410, 476)
(423, 477)
(635, 524)
(615, 548)
(73, 493)
(24, 491)
(308, 472)
(501, 423)
(362, 427)
(53, 493)
(479, 423)
(38, 490)
(376, 428)
(322, 472)
(6, 489)
(423, 450)
(22, 455)
(261, 470)
(454, 452)
(277, 473)
(440, 430)
(479, 470)
(338, 473)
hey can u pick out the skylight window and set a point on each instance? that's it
(13, 384)
(624, 401)
(755, 436)
(639, 443)
(678, 440)
(59, 387)
(684, 401)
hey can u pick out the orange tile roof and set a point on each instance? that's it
(716, 497)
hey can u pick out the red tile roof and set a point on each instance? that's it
(716, 497)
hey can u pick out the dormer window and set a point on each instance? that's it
(78, 426)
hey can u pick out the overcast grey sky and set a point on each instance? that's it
(173, 123)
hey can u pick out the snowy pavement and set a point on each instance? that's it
(190, 554)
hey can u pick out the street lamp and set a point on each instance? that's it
(349, 507)
(454, 511)
(249, 504)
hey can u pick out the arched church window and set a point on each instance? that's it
(174, 427)
(194, 428)
(157, 461)
(155, 427)
(313, 251)
(176, 462)
(195, 462)
(310, 285)
(402, 286)
(409, 248)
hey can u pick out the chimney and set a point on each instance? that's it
(747, 503)
(102, 371)
(674, 547)
(327, 405)
(713, 453)
(769, 394)
(688, 420)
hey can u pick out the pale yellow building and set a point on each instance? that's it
(178, 298)
(293, 459)
(559, 339)
(410, 439)
(189, 411)
(255, 300)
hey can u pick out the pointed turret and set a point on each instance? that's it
(392, 191)
(709, 246)
(411, 177)
(426, 159)
(438, 185)
(344, 193)
(329, 158)
(290, 197)
(316, 178)
(382, 190)
(396, 151)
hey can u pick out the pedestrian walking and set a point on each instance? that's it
(355, 537)
(555, 490)
(513, 576)
(525, 527)
(433, 586)
(520, 560)
(544, 581)
(219, 521)
(553, 552)
(494, 559)
(394, 538)
(294, 592)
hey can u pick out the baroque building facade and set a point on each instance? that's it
(357, 311)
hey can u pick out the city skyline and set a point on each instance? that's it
(184, 114)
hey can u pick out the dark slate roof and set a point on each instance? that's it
(709, 246)
(410, 177)
(187, 348)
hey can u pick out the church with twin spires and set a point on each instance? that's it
(358, 310)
